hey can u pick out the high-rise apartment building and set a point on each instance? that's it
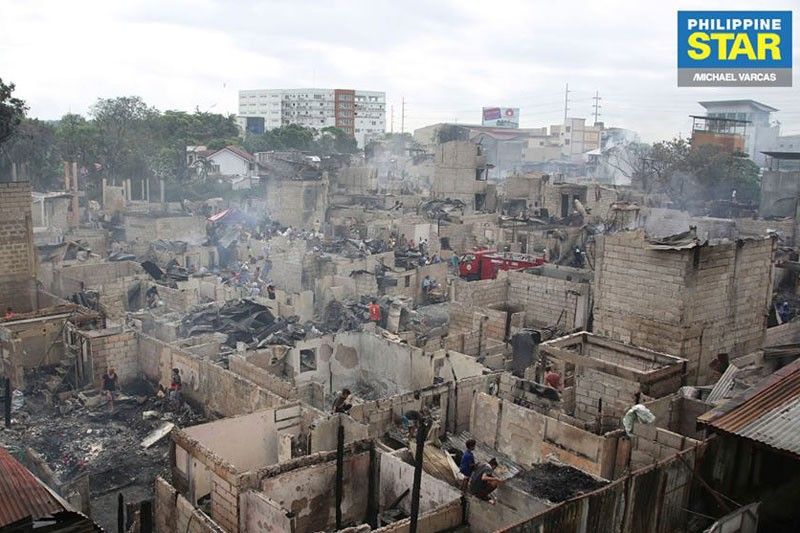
(359, 113)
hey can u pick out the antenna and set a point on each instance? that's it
(566, 102)
(596, 105)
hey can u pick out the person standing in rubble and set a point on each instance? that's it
(374, 312)
(467, 464)
(340, 404)
(175, 387)
(110, 382)
(552, 378)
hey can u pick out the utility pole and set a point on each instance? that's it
(596, 106)
(403, 115)
(391, 119)
(422, 432)
(566, 102)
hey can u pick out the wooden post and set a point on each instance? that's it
(339, 474)
(7, 403)
(146, 517)
(120, 513)
(422, 431)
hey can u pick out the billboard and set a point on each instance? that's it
(501, 117)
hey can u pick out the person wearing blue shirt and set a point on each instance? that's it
(467, 463)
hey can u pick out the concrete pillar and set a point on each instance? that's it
(130, 190)
(161, 191)
(103, 192)
(144, 196)
(76, 213)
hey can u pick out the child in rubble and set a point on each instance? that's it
(110, 384)
(175, 386)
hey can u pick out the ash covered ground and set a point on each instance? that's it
(77, 438)
(555, 482)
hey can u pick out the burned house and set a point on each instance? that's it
(295, 187)
(461, 173)
(684, 296)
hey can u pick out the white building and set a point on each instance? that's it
(359, 113)
(576, 138)
(760, 134)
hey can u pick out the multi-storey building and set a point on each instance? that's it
(359, 113)
(760, 132)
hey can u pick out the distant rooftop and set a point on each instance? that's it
(719, 103)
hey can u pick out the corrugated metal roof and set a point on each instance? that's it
(768, 413)
(724, 385)
(21, 493)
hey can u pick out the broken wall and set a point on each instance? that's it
(259, 513)
(173, 512)
(397, 476)
(218, 390)
(307, 492)
(17, 252)
(529, 437)
(246, 442)
(351, 358)
(141, 230)
(296, 203)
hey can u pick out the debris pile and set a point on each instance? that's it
(557, 483)
(76, 434)
(345, 316)
(247, 322)
(354, 248)
(437, 209)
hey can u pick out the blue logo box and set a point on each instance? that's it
(735, 48)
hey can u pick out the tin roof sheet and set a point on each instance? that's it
(22, 494)
(768, 413)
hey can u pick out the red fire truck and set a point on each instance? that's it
(485, 264)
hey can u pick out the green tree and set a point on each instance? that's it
(124, 126)
(12, 111)
(336, 140)
(34, 152)
(691, 174)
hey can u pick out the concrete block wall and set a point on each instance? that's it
(617, 395)
(383, 415)
(788, 333)
(480, 293)
(651, 443)
(172, 512)
(691, 303)
(220, 391)
(263, 378)
(549, 300)
(758, 227)
(529, 437)
(177, 299)
(297, 203)
(225, 502)
(17, 253)
(111, 348)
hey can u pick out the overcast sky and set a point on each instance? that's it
(448, 59)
